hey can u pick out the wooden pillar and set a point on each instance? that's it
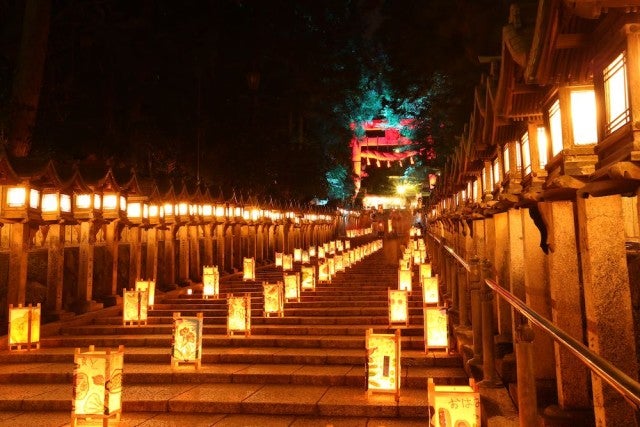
(607, 296)
(183, 253)
(18, 257)
(228, 248)
(86, 258)
(169, 254)
(194, 268)
(55, 268)
(525, 366)
(135, 256)
(113, 241)
(236, 237)
(152, 254)
(514, 265)
(207, 256)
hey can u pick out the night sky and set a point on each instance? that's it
(258, 93)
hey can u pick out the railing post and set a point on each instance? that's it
(489, 378)
(525, 368)
(452, 285)
(475, 285)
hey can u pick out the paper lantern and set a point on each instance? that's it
(339, 245)
(308, 281)
(404, 264)
(323, 273)
(383, 363)
(97, 385)
(210, 281)
(417, 259)
(312, 251)
(287, 262)
(186, 340)
(306, 258)
(436, 329)
(398, 306)
(331, 263)
(297, 255)
(239, 314)
(134, 307)
(404, 280)
(24, 327)
(346, 259)
(332, 247)
(292, 287)
(278, 259)
(339, 261)
(150, 287)
(454, 405)
(273, 299)
(347, 244)
(430, 293)
(424, 270)
(248, 269)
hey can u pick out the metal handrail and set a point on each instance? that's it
(621, 382)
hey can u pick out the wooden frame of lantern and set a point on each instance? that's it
(248, 269)
(383, 370)
(454, 404)
(273, 299)
(278, 259)
(287, 262)
(134, 307)
(186, 340)
(150, 287)
(430, 290)
(398, 306)
(323, 272)
(239, 314)
(292, 287)
(297, 255)
(404, 280)
(93, 399)
(308, 277)
(436, 328)
(210, 281)
(24, 327)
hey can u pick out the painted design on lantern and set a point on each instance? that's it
(436, 327)
(455, 406)
(273, 298)
(19, 320)
(430, 290)
(308, 277)
(237, 314)
(382, 362)
(291, 288)
(397, 306)
(92, 382)
(186, 338)
(135, 306)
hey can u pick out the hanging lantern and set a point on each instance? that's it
(278, 259)
(297, 255)
(239, 314)
(404, 280)
(150, 287)
(186, 340)
(383, 363)
(273, 299)
(430, 293)
(436, 328)
(248, 269)
(308, 281)
(454, 405)
(292, 287)
(135, 305)
(210, 281)
(398, 306)
(287, 262)
(24, 327)
(97, 385)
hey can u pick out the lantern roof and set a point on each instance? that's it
(132, 186)
(183, 195)
(47, 178)
(8, 175)
(76, 184)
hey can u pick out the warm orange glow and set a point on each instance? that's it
(150, 287)
(616, 94)
(278, 259)
(543, 146)
(292, 287)
(305, 257)
(24, 327)
(404, 280)
(123, 203)
(97, 384)
(273, 299)
(287, 262)
(109, 202)
(239, 314)
(135, 307)
(308, 273)
(312, 251)
(297, 255)
(249, 269)
(583, 116)
(210, 281)
(323, 273)
(182, 209)
(65, 203)
(186, 340)
(436, 328)
(454, 405)
(398, 306)
(49, 202)
(383, 362)
(16, 197)
(134, 210)
(555, 128)
(83, 201)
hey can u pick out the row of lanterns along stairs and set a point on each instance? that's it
(306, 368)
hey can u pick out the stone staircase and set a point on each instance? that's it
(304, 369)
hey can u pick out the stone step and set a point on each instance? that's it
(221, 318)
(230, 398)
(242, 354)
(245, 373)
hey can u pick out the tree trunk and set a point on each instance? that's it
(28, 76)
